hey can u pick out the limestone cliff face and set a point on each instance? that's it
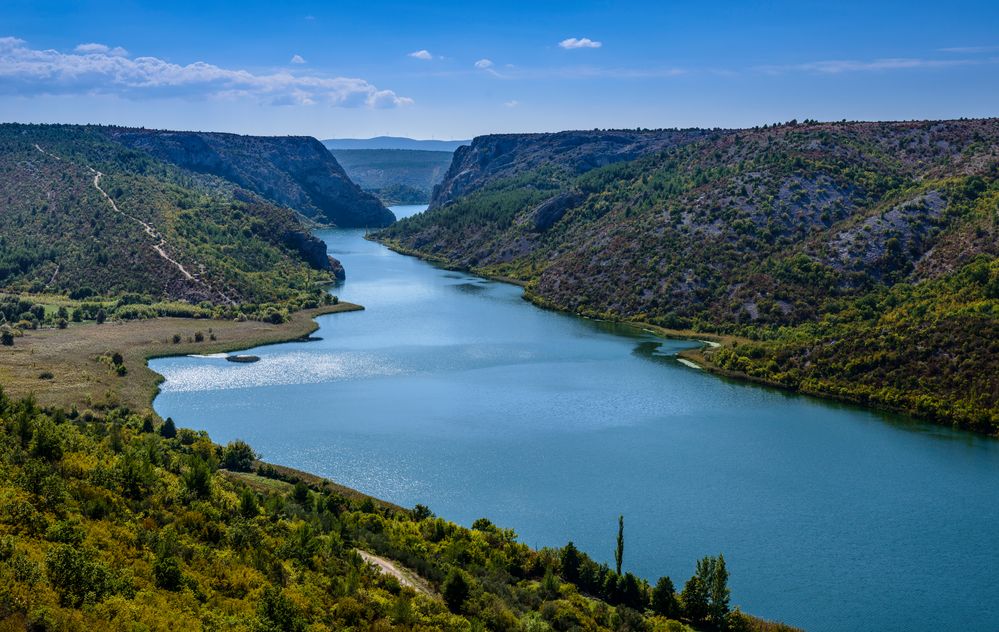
(294, 171)
(497, 156)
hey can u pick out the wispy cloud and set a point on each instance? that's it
(482, 64)
(582, 42)
(512, 104)
(422, 54)
(838, 66)
(297, 59)
(969, 50)
(100, 69)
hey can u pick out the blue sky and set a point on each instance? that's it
(458, 69)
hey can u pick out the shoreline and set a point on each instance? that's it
(698, 358)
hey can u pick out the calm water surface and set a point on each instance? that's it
(450, 390)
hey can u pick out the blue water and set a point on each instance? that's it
(450, 390)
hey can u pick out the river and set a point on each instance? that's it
(452, 391)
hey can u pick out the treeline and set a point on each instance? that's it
(119, 521)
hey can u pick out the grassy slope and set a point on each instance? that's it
(778, 235)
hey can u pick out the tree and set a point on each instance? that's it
(248, 503)
(198, 478)
(619, 551)
(166, 568)
(719, 592)
(101, 316)
(570, 563)
(168, 430)
(278, 612)
(695, 601)
(6, 337)
(664, 598)
(455, 589)
(238, 456)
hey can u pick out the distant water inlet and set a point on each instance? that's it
(451, 391)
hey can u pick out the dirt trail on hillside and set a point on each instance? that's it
(160, 244)
(405, 576)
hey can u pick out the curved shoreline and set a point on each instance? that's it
(698, 357)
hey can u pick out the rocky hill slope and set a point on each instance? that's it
(84, 214)
(294, 171)
(491, 158)
(800, 237)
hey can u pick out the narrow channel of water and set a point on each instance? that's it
(450, 390)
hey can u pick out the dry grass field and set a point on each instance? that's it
(73, 367)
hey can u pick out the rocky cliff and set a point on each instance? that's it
(499, 156)
(295, 171)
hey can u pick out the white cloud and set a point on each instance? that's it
(99, 69)
(582, 42)
(422, 54)
(101, 49)
(482, 64)
(512, 104)
(297, 59)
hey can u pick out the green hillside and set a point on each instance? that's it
(84, 215)
(117, 522)
(858, 259)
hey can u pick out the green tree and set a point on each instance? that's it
(570, 563)
(6, 337)
(198, 478)
(279, 613)
(166, 568)
(168, 430)
(248, 503)
(455, 589)
(238, 456)
(719, 592)
(664, 598)
(694, 600)
(619, 551)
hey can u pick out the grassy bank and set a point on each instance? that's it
(74, 367)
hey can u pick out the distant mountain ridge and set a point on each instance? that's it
(394, 142)
(395, 176)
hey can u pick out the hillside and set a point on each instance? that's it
(293, 171)
(116, 521)
(82, 214)
(395, 176)
(858, 258)
(394, 142)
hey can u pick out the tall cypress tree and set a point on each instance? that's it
(619, 552)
